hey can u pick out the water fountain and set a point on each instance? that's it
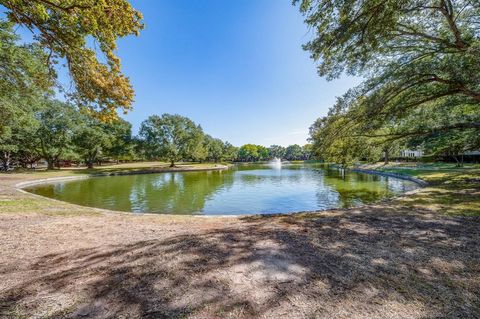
(275, 163)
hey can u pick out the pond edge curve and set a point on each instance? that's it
(418, 181)
(20, 187)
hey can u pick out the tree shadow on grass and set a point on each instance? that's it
(448, 199)
(357, 264)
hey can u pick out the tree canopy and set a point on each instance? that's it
(67, 29)
(276, 151)
(417, 57)
(23, 81)
(57, 122)
(293, 152)
(171, 137)
(215, 148)
(252, 153)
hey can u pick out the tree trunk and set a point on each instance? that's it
(50, 164)
(456, 160)
(91, 158)
(172, 163)
(386, 156)
(89, 163)
(6, 161)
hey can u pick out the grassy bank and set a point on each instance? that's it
(452, 190)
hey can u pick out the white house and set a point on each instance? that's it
(411, 153)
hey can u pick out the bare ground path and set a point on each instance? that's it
(402, 259)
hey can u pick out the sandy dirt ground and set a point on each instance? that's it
(390, 260)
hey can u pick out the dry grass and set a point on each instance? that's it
(409, 258)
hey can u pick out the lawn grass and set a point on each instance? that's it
(452, 190)
(43, 206)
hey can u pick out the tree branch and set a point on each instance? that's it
(447, 11)
(66, 9)
(393, 136)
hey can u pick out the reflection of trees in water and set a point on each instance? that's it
(190, 192)
(326, 195)
(102, 192)
(351, 176)
(354, 188)
(181, 193)
(252, 174)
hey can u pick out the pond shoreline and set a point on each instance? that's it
(24, 184)
(21, 187)
(418, 181)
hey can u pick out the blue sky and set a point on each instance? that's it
(235, 67)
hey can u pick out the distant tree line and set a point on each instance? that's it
(57, 131)
(252, 152)
(175, 138)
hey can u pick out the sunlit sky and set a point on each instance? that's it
(236, 67)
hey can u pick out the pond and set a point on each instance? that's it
(241, 190)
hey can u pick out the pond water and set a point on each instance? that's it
(241, 190)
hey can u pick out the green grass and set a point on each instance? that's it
(439, 175)
(452, 191)
(29, 205)
(446, 200)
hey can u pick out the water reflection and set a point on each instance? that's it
(244, 189)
